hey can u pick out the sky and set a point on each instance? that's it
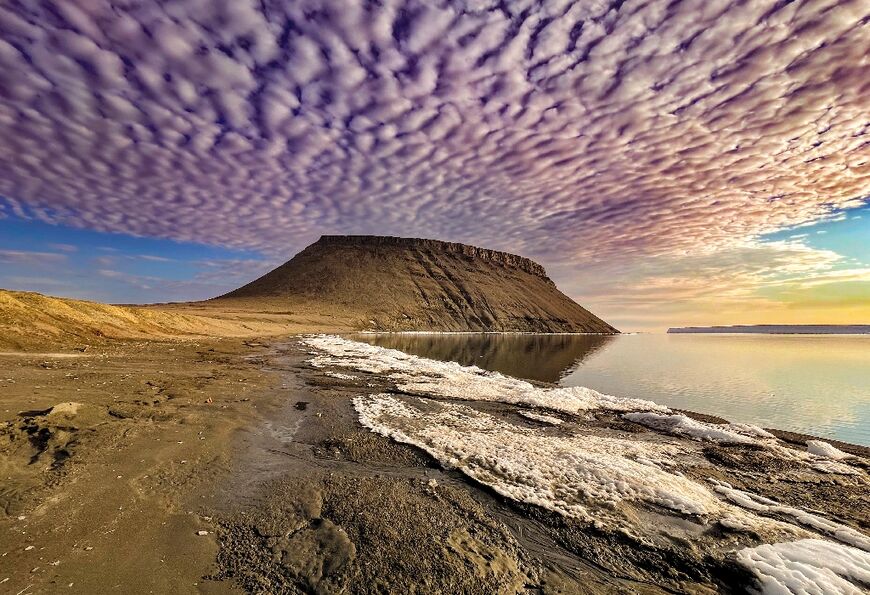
(670, 162)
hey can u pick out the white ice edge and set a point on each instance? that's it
(819, 524)
(683, 425)
(825, 450)
(807, 566)
(542, 417)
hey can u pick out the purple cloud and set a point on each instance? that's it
(576, 132)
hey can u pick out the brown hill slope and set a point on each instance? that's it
(31, 321)
(391, 283)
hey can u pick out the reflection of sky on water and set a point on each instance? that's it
(816, 384)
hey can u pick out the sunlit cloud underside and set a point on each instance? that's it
(632, 145)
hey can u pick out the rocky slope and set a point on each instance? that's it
(390, 283)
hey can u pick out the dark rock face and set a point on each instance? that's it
(493, 256)
(397, 284)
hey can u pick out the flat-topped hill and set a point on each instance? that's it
(390, 283)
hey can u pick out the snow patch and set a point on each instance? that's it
(543, 418)
(562, 474)
(760, 504)
(340, 376)
(807, 566)
(815, 462)
(751, 430)
(834, 467)
(682, 425)
(828, 451)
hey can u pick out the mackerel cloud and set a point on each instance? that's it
(581, 130)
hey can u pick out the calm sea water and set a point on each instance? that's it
(815, 384)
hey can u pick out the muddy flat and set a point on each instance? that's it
(105, 459)
(318, 464)
(54, 355)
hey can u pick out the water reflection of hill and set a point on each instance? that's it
(538, 357)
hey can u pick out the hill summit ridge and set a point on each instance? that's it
(467, 250)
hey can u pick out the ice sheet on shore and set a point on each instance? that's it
(451, 380)
(808, 566)
(560, 473)
(682, 425)
(828, 451)
(542, 417)
(582, 476)
(760, 504)
(820, 456)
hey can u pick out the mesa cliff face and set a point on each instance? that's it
(432, 246)
(389, 283)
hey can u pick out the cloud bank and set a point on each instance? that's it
(574, 132)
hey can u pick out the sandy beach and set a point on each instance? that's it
(238, 466)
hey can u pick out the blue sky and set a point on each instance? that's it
(116, 267)
(847, 234)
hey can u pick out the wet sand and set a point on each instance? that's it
(107, 458)
(249, 443)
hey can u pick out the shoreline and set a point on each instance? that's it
(295, 494)
(795, 438)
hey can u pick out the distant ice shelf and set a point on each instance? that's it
(778, 329)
